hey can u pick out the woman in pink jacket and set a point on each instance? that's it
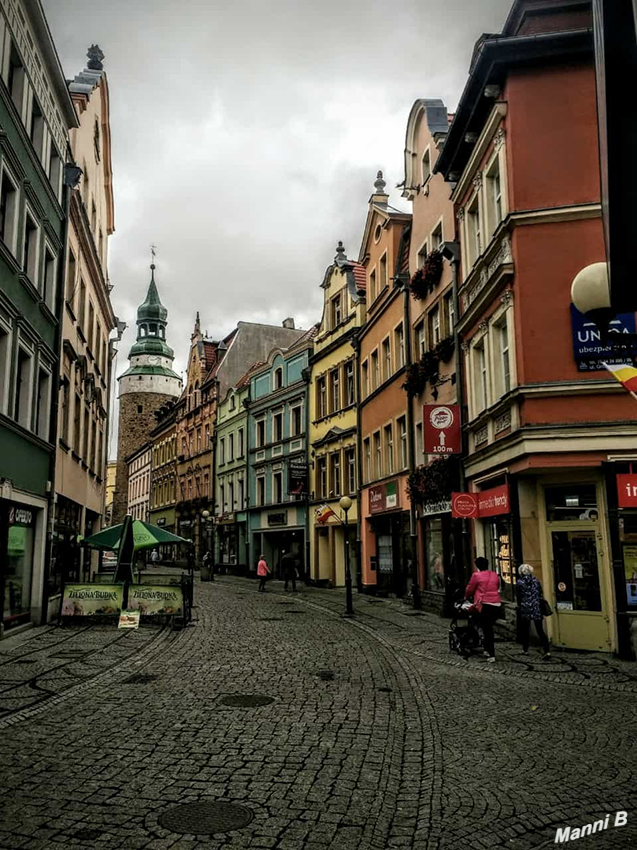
(484, 587)
(262, 571)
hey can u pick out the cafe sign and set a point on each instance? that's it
(383, 497)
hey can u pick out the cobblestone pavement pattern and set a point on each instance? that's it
(377, 737)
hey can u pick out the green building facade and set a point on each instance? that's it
(36, 113)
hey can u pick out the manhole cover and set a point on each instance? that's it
(246, 700)
(140, 678)
(326, 675)
(205, 818)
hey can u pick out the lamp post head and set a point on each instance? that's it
(345, 503)
(205, 514)
(590, 293)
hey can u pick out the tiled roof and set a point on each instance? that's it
(210, 351)
(245, 380)
(308, 336)
(360, 276)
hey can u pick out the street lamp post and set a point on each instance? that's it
(346, 504)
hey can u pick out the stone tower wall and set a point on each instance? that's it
(134, 430)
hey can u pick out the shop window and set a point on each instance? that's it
(18, 568)
(498, 538)
(435, 579)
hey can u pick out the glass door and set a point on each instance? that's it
(580, 616)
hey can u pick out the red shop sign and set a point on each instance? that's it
(464, 505)
(442, 429)
(627, 490)
(494, 501)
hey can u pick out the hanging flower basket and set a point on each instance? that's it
(445, 349)
(425, 279)
(420, 372)
(435, 482)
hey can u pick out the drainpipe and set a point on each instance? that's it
(307, 374)
(356, 345)
(246, 485)
(72, 175)
(451, 252)
(402, 281)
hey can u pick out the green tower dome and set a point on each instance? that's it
(152, 318)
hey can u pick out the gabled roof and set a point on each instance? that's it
(378, 206)
(244, 380)
(309, 336)
(335, 433)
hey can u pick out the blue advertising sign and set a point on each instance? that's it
(589, 351)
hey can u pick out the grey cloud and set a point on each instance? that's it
(247, 135)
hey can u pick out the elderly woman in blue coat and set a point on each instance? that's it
(530, 609)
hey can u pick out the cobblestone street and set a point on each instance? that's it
(377, 736)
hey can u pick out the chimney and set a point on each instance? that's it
(289, 324)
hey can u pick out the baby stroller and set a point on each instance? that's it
(464, 638)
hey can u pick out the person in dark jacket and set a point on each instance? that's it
(288, 562)
(530, 605)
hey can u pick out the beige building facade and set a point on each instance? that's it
(88, 319)
(139, 471)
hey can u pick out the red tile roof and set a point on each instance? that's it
(210, 351)
(360, 277)
(245, 380)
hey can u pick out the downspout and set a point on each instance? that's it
(356, 345)
(213, 476)
(246, 486)
(307, 374)
(72, 175)
(451, 252)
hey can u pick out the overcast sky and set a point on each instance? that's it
(247, 136)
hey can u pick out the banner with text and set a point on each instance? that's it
(90, 600)
(154, 599)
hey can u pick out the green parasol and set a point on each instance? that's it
(145, 536)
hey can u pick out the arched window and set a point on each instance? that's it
(197, 400)
(152, 330)
(278, 378)
(142, 330)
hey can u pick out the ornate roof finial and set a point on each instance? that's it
(95, 56)
(341, 256)
(153, 251)
(379, 184)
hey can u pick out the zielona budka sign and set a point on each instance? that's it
(85, 600)
(155, 600)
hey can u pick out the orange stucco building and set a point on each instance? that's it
(384, 507)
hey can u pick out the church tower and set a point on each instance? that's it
(147, 384)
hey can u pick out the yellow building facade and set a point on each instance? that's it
(333, 411)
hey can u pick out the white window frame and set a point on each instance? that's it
(399, 345)
(42, 424)
(437, 235)
(480, 341)
(421, 256)
(12, 240)
(425, 166)
(34, 259)
(26, 419)
(504, 314)
(5, 369)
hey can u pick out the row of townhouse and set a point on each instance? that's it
(464, 301)
(56, 214)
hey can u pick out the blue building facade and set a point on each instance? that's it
(277, 457)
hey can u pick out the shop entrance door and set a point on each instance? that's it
(581, 619)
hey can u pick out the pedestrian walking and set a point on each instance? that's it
(209, 565)
(154, 557)
(532, 607)
(263, 571)
(484, 587)
(288, 562)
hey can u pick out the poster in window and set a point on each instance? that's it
(630, 570)
(297, 476)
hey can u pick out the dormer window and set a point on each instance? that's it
(336, 311)
(278, 378)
